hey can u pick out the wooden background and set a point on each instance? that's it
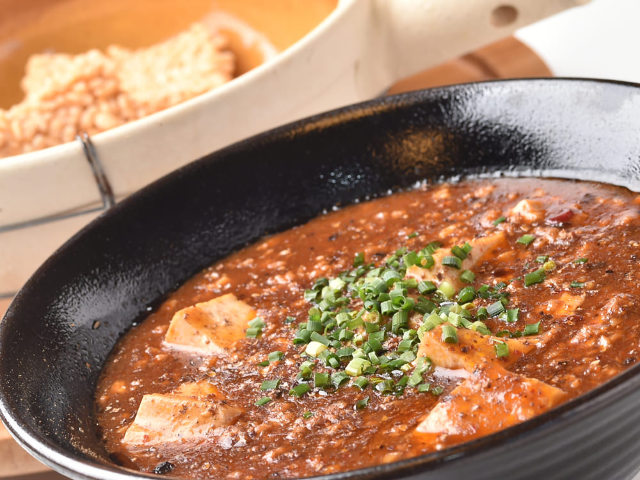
(507, 58)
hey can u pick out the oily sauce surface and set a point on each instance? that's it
(322, 432)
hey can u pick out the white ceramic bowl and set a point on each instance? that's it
(357, 52)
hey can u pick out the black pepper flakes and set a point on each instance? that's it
(163, 468)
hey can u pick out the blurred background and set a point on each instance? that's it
(43, 87)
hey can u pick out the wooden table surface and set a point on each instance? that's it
(507, 58)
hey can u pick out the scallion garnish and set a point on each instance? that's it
(542, 258)
(467, 276)
(275, 356)
(499, 220)
(446, 289)
(526, 239)
(307, 414)
(495, 309)
(502, 349)
(339, 378)
(480, 327)
(270, 384)
(450, 261)
(449, 334)
(361, 382)
(316, 337)
(299, 390)
(315, 348)
(321, 380)
(575, 284)
(426, 287)
(255, 328)
(459, 252)
(537, 276)
(362, 403)
(466, 295)
(531, 329)
(262, 401)
(356, 367)
(512, 315)
(581, 260)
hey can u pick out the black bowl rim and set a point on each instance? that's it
(570, 411)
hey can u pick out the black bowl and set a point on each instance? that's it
(125, 262)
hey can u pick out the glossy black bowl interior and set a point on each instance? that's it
(130, 258)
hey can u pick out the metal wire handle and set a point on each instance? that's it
(102, 182)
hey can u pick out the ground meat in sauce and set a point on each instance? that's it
(590, 341)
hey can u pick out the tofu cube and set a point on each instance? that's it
(211, 327)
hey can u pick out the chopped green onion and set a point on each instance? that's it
(412, 235)
(316, 337)
(302, 336)
(356, 367)
(263, 363)
(581, 260)
(426, 287)
(361, 382)
(314, 326)
(480, 327)
(502, 349)
(315, 348)
(311, 295)
(255, 327)
(360, 404)
(499, 220)
(424, 387)
(385, 386)
(321, 380)
(466, 295)
(411, 258)
(531, 328)
(307, 414)
(575, 284)
(270, 384)
(253, 332)
(275, 356)
(537, 276)
(299, 390)
(449, 334)
(399, 321)
(305, 369)
(358, 259)
(526, 239)
(542, 258)
(446, 289)
(467, 276)
(495, 309)
(512, 315)
(263, 401)
(339, 378)
(437, 390)
(430, 322)
(432, 247)
(482, 313)
(345, 335)
(459, 252)
(453, 262)
(345, 352)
